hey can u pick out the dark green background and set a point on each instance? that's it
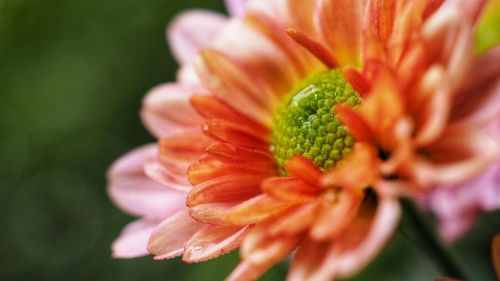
(72, 76)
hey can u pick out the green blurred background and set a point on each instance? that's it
(72, 76)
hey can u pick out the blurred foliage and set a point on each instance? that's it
(72, 76)
(488, 29)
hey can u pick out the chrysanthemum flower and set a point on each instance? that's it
(304, 121)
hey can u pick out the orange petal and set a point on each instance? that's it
(259, 248)
(301, 15)
(257, 209)
(185, 146)
(213, 213)
(213, 241)
(295, 221)
(236, 155)
(236, 187)
(355, 123)
(381, 15)
(358, 171)
(432, 6)
(290, 189)
(384, 107)
(212, 107)
(302, 61)
(314, 47)
(237, 134)
(340, 24)
(246, 271)
(209, 167)
(335, 215)
(263, 62)
(357, 80)
(168, 239)
(303, 168)
(408, 20)
(412, 64)
(232, 84)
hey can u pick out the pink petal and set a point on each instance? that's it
(192, 31)
(134, 192)
(168, 177)
(133, 240)
(383, 226)
(236, 8)
(308, 262)
(168, 239)
(213, 241)
(187, 75)
(449, 41)
(167, 108)
(461, 154)
(478, 98)
(470, 8)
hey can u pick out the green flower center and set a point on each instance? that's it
(305, 124)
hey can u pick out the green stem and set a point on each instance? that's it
(434, 248)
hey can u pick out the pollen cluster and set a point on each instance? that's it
(305, 124)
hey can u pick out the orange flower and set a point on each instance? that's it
(274, 170)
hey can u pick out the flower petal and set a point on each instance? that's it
(478, 99)
(133, 240)
(263, 61)
(236, 8)
(213, 241)
(231, 83)
(166, 108)
(308, 259)
(256, 209)
(192, 31)
(134, 192)
(290, 189)
(336, 213)
(340, 25)
(460, 154)
(235, 187)
(213, 213)
(171, 176)
(295, 221)
(259, 248)
(168, 239)
(381, 229)
(303, 168)
(212, 107)
(236, 134)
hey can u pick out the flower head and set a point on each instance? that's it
(304, 121)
